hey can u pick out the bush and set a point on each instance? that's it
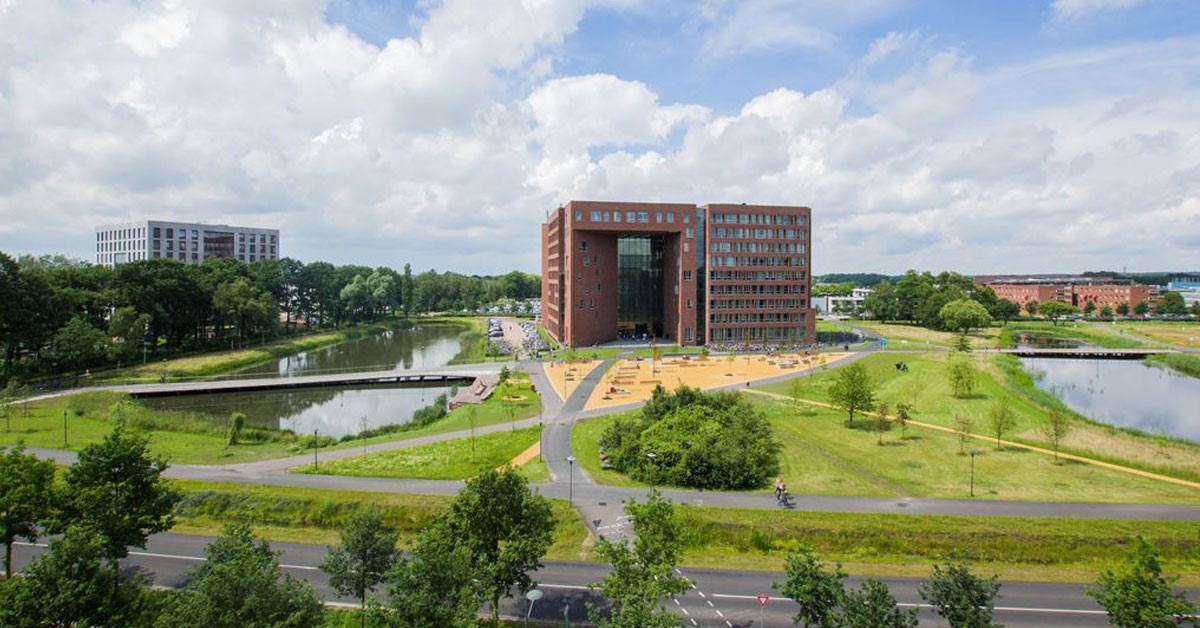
(700, 440)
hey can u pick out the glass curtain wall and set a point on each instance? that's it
(640, 286)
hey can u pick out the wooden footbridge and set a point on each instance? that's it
(1095, 354)
(377, 378)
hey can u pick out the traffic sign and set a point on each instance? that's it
(762, 599)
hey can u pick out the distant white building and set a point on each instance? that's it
(1187, 287)
(190, 243)
(843, 306)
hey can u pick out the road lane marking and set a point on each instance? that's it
(1012, 609)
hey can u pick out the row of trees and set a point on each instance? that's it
(62, 314)
(920, 297)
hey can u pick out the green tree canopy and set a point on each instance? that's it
(643, 573)
(116, 488)
(960, 596)
(963, 315)
(26, 485)
(365, 552)
(1136, 594)
(506, 529)
(1055, 310)
(853, 390)
(432, 586)
(699, 439)
(240, 585)
(1171, 303)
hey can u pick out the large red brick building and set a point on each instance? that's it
(733, 275)
(1077, 291)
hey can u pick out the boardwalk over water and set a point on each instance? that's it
(442, 376)
(1097, 354)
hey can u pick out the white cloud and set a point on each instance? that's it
(460, 136)
(733, 27)
(1070, 10)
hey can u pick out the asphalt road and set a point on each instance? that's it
(720, 598)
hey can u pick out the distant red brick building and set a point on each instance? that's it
(1072, 291)
(727, 274)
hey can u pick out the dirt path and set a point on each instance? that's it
(1007, 443)
(523, 457)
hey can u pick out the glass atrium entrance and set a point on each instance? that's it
(640, 287)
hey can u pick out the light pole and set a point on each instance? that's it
(64, 429)
(315, 444)
(973, 453)
(571, 480)
(533, 595)
(651, 455)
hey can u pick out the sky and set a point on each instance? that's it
(986, 136)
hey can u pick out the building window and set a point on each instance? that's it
(595, 216)
(643, 216)
(583, 245)
(170, 232)
(689, 304)
(658, 217)
(687, 275)
(686, 248)
(670, 216)
(158, 232)
(690, 233)
(579, 214)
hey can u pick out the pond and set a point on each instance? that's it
(422, 347)
(336, 411)
(1126, 393)
(333, 411)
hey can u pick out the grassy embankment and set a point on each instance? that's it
(1026, 548)
(1001, 380)
(1177, 333)
(904, 336)
(225, 361)
(302, 515)
(820, 456)
(196, 438)
(456, 459)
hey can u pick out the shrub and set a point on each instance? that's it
(700, 440)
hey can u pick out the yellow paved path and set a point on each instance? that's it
(1007, 443)
(523, 457)
(632, 380)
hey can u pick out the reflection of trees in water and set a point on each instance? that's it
(380, 351)
(262, 409)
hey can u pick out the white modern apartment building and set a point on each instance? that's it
(190, 243)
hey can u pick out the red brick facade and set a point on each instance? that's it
(755, 268)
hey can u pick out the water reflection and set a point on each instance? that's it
(334, 411)
(1126, 393)
(426, 346)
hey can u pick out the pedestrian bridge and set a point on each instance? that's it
(376, 378)
(1097, 354)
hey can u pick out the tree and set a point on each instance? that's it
(1031, 307)
(642, 573)
(853, 390)
(1089, 307)
(505, 527)
(963, 315)
(874, 606)
(365, 552)
(819, 593)
(407, 290)
(1002, 420)
(26, 484)
(240, 585)
(962, 428)
(962, 374)
(1054, 310)
(1136, 594)
(882, 303)
(432, 586)
(1142, 308)
(881, 421)
(78, 345)
(116, 489)
(1123, 309)
(127, 329)
(796, 392)
(1171, 303)
(249, 308)
(903, 416)
(70, 586)
(1106, 312)
(961, 597)
(1005, 310)
(1056, 428)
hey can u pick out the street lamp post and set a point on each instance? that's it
(571, 480)
(64, 429)
(973, 453)
(315, 444)
(651, 455)
(533, 595)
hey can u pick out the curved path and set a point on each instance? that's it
(602, 506)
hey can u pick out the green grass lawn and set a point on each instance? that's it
(445, 460)
(1018, 548)
(1178, 333)
(302, 515)
(925, 386)
(821, 456)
